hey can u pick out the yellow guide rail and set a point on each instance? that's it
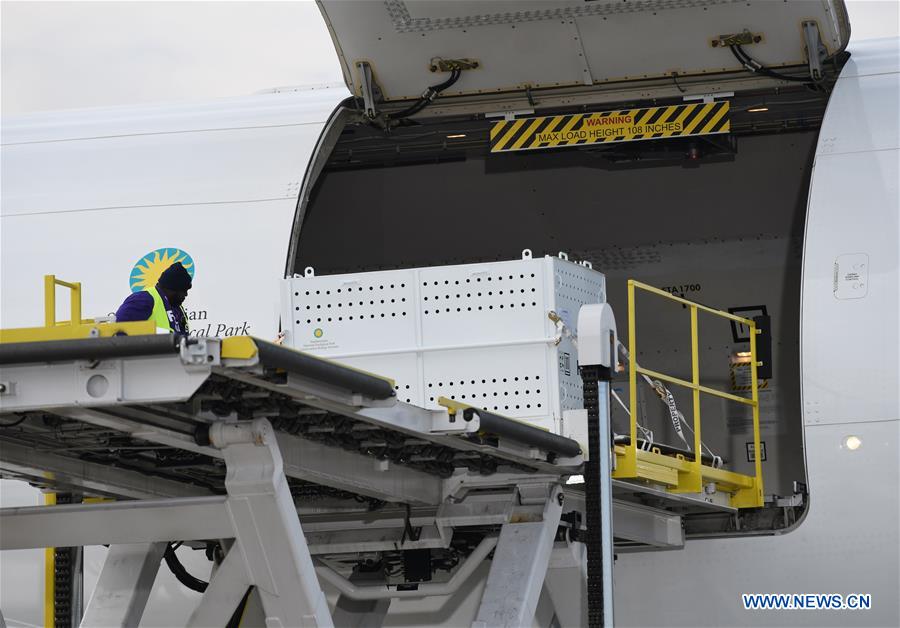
(75, 327)
(678, 473)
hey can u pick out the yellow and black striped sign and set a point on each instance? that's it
(627, 125)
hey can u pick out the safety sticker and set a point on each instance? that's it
(627, 125)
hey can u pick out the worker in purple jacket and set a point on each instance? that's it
(162, 303)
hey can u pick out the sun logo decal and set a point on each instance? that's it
(147, 270)
(318, 333)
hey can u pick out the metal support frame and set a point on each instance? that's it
(268, 539)
(124, 586)
(350, 613)
(681, 475)
(519, 567)
(269, 551)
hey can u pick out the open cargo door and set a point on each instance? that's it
(521, 45)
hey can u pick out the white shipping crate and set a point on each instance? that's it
(483, 334)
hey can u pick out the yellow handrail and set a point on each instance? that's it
(50, 283)
(75, 327)
(690, 477)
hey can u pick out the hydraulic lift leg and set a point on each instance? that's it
(267, 531)
(124, 585)
(519, 567)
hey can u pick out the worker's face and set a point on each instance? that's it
(176, 297)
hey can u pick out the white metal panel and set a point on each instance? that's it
(238, 249)
(848, 543)
(168, 169)
(853, 226)
(299, 106)
(552, 43)
(476, 333)
(862, 115)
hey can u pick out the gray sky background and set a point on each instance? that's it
(65, 55)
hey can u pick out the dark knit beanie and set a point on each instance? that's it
(175, 277)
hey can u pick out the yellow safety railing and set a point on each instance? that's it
(50, 283)
(678, 473)
(75, 327)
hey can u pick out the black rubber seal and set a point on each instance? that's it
(329, 373)
(87, 349)
(527, 434)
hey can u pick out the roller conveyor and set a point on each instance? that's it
(165, 394)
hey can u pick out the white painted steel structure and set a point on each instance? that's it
(230, 174)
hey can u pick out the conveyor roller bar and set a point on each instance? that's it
(274, 356)
(87, 349)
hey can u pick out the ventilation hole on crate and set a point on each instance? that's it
(538, 405)
(432, 399)
(393, 313)
(350, 318)
(308, 321)
(318, 320)
(298, 322)
(527, 405)
(340, 318)
(506, 407)
(307, 293)
(329, 320)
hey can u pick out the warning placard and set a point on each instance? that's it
(627, 125)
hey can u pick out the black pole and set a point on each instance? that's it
(593, 493)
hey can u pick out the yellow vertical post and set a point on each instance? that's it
(754, 386)
(49, 300)
(49, 566)
(75, 303)
(697, 481)
(630, 468)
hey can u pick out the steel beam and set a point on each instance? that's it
(519, 567)
(39, 466)
(302, 459)
(227, 586)
(184, 519)
(350, 613)
(266, 525)
(124, 586)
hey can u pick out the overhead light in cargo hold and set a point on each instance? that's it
(456, 136)
(757, 109)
